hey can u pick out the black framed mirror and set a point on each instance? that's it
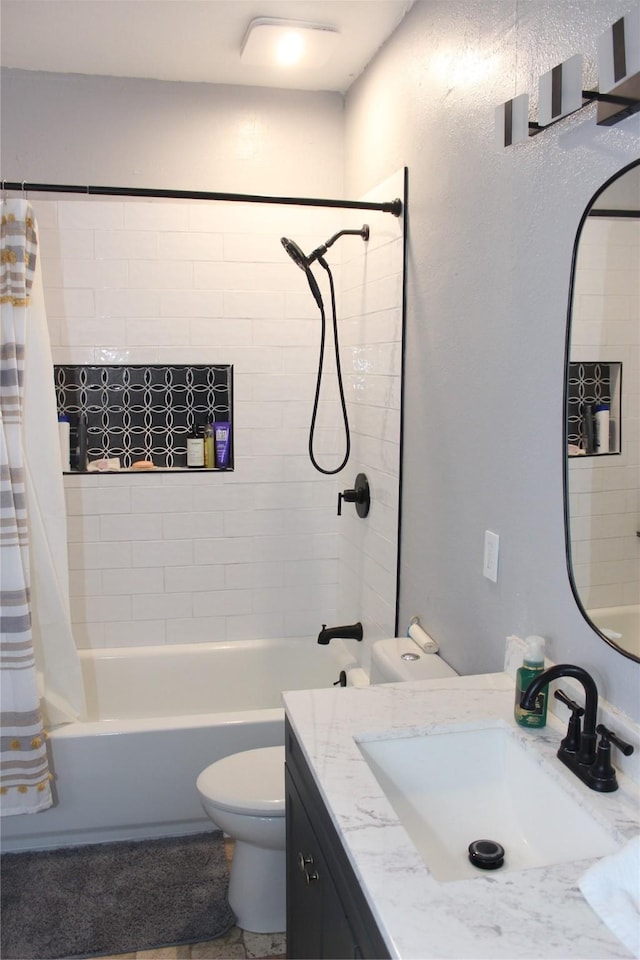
(602, 414)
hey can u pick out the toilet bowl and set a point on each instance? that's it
(243, 794)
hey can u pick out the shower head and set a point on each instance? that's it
(305, 262)
(294, 252)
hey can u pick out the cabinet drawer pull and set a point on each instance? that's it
(306, 865)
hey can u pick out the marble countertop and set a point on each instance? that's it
(538, 912)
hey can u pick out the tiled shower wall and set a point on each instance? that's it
(170, 558)
(604, 490)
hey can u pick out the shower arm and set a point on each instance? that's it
(322, 249)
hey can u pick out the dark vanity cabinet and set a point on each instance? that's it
(327, 914)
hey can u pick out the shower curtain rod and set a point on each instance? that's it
(394, 206)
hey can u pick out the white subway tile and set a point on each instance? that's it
(74, 244)
(99, 556)
(190, 246)
(139, 633)
(78, 303)
(126, 245)
(191, 303)
(267, 625)
(210, 577)
(128, 303)
(221, 333)
(79, 332)
(156, 215)
(130, 528)
(222, 603)
(161, 553)
(222, 550)
(177, 526)
(256, 304)
(147, 332)
(131, 581)
(161, 606)
(160, 275)
(310, 572)
(257, 523)
(100, 609)
(197, 630)
(253, 575)
(90, 214)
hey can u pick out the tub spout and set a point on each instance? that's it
(352, 631)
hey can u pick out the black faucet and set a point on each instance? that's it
(578, 749)
(352, 631)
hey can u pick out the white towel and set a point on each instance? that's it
(611, 887)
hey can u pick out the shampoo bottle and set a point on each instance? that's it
(532, 666)
(64, 433)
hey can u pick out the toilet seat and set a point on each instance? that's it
(250, 783)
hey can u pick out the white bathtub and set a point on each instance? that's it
(619, 624)
(156, 717)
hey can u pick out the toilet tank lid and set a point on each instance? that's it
(251, 782)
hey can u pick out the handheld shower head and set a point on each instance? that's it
(299, 258)
(294, 252)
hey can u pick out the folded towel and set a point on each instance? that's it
(611, 887)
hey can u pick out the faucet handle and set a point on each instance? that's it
(571, 743)
(573, 706)
(608, 736)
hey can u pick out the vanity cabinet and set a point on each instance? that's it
(327, 914)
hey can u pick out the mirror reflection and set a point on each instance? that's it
(602, 408)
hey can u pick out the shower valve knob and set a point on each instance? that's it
(359, 495)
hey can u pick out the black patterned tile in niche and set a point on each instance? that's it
(588, 385)
(137, 412)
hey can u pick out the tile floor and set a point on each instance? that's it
(234, 944)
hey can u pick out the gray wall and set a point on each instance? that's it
(62, 128)
(491, 233)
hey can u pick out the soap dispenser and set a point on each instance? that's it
(532, 666)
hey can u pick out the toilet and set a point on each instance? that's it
(243, 794)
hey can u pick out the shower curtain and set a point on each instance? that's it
(40, 679)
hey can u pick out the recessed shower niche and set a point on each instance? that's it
(142, 412)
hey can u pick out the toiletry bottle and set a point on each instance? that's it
(64, 433)
(602, 428)
(532, 665)
(195, 448)
(209, 454)
(81, 448)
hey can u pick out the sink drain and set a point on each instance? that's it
(486, 854)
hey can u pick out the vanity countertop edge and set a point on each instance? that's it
(517, 914)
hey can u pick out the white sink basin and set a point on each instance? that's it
(450, 789)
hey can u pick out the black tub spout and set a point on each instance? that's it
(352, 631)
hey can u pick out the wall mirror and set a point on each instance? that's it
(602, 410)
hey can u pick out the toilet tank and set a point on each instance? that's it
(400, 658)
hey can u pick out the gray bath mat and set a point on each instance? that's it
(109, 898)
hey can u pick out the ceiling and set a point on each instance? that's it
(195, 41)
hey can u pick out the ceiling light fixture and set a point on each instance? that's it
(270, 42)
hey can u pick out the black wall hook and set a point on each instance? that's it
(358, 495)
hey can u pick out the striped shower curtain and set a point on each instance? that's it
(24, 768)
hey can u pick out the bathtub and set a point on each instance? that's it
(619, 624)
(156, 716)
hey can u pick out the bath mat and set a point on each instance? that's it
(109, 898)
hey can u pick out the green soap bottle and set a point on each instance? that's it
(532, 666)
